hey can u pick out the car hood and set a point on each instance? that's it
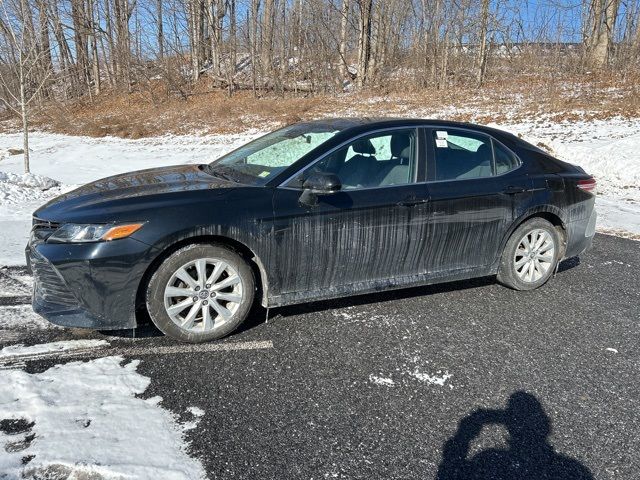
(132, 187)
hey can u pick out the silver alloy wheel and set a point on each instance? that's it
(535, 255)
(203, 295)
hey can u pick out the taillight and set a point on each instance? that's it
(588, 185)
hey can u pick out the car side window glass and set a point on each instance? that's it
(505, 159)
(378, 160)
(462, 155)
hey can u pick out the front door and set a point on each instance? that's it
(370, 231)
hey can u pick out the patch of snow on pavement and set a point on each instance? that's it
(84, 420)
(387, 382)
(437, 379)
(53, 347)
(24, 317)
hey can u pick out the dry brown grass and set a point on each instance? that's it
(152, 112)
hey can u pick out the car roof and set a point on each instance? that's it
(356, 125)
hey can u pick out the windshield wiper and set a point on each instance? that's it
(217, 173)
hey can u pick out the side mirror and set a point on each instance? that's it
(319, 184)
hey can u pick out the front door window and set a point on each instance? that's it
(378, 160)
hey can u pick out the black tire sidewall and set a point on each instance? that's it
(507, 273)
(158, 282)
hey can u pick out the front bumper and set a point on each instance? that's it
(88, 285)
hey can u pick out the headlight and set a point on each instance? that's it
(75, 233)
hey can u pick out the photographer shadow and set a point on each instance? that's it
(529, 455)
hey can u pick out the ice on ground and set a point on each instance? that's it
(52, 347)
(85, 420)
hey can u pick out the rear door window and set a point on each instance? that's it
(462, 155)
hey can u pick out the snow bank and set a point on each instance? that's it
(17, 188)
(83, 420)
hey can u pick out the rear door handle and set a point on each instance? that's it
(412, 201)
(512, 190)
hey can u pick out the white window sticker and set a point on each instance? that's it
(441, 143)
(441, 134)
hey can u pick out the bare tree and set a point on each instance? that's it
(21, 70)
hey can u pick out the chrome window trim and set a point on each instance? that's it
(351, 140)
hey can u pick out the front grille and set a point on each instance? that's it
(42, 229)
(49, 287)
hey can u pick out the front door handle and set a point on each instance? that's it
(512, 190)
(412, 201)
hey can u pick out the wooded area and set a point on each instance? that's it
(71, 49)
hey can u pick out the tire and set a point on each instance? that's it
(184, 306)
(526, 268)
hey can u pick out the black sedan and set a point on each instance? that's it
(313, 211)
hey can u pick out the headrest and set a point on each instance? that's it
(364, 146)
(399, 143)
(484, 152)
(406, 153)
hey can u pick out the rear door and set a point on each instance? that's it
(369, 231)
(474, 183)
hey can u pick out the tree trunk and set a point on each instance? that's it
(78, 17)
(482, 47)
(93, 48)
(195, 37)
(255, 11)
(25, 121)
(215, 13)
(344, 24)
(364, 41)
(604, 22)
(46, 61)
(160, 32)
(266, 55)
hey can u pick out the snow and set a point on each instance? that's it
(606, 149)
(53, 347)
(437, 379)
(86, 420)
(24, 317)
(387, 382)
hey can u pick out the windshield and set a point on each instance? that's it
(262, 159)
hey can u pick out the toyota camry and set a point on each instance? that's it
(316, 210)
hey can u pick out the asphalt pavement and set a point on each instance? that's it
(460, 380)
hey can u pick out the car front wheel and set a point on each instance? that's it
(530, 255)
(200, 293)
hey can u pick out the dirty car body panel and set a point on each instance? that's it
(363, 238)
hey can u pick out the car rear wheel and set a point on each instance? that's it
(530, 256)
(200, 293)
